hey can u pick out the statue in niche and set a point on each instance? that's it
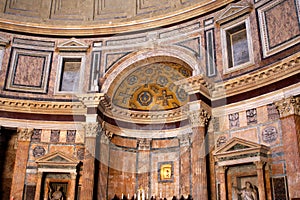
(248, 192)
(56, 195)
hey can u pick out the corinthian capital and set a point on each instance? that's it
(92, 129)
(199, 118)
(24, 134)
(288, 106)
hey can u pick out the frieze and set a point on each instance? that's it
(71, 135)
(38, 151)
(221, 140)
(273, 113)
(288, 106)
(234, 121)
(269, 134)
(24, 134)
(55, 135)
(41, 106)
(36, 136)
(251, 115)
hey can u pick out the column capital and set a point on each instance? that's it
(199, 118)
(288, 106)
(144, 143)
(184, 140)
(259, 164)
(24, 134)
(92, 129)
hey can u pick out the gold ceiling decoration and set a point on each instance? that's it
(152, 87)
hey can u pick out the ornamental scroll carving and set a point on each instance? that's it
(288, 106)
(92, 129)
(24, 134)
(199, 118)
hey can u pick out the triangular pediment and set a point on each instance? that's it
(237, 144)
(72, 45)
(57, 158)
(232, 11)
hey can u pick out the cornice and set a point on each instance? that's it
(96, 28)
(270, 74)
(143, 117)
(196, 84)
(41, 107)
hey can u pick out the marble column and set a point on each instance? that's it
(91, 132)
(222, 180)
(19, 175)
(198, 119)
(260, 180)
(289, 110)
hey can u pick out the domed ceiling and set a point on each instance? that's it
(152, 87)
(94, 17)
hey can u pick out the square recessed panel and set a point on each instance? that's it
(166, 172)
(28, 70)
(29, 8)
(279, 25)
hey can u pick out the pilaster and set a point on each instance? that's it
(18, 181)
(289, 110)
(198, 119)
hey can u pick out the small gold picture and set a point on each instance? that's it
(166, 172)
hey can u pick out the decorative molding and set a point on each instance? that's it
(91, 99)
(275, 72)
(199, 118)
(42, 107)
(288, 106)
(198, 83)
(72, 45)
(232, 11)
(3, 41)
(24, 134)
(92, 129)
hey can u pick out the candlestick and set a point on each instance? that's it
(122, 195)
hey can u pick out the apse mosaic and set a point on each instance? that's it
(152, 87)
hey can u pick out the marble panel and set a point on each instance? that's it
(279, 25)
(29, 70)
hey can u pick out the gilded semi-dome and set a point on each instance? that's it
(152, 87)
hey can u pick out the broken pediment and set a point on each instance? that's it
(57, 158)
(72, 45)
(232, 11)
